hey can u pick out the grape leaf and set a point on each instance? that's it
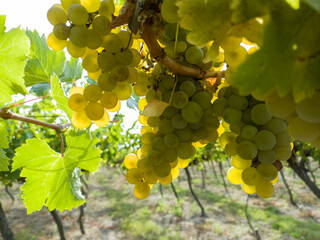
(40, 89)
(14, 47)
(72, 70)
(244, 10)
(58, 95)
(51, 179)
(155, 108)
(289, 58)
(4, 160)
(42, 62)
(315, 4)
(206, 20)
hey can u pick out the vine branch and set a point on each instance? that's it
(7, 114)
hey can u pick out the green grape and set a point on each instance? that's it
(140, 89)
(194, 55)
(251, 176)
(124, 38)
(94, 111)
(144, 165)
(77, 102)
(226, 137)
(106, 61)
(246, 118)
(231, 115)
(80, 120)
(141, 190)
(281, 107)
(276, 126)
(56, 14)
(74, 50)
(107, 82)
(169, 112)
(153, 94)
(169, 31)
(145, 149)
(153, 121)
(165, 126)
(267, 156)
(109, 100)
(167, 82)
(247, 150)
(203, 99)
(283, 139)
(123, 90)
(268, 171)
(260, 114)
(92, 93)
(236, 127)
(170, 155)
(124, 57)
(61, 31)
(111, 43)
(231, 148)
(150, 177)
(91, 5)
(184, 134)
(188, 88)
(234, 175)
(265, 189)
(78, 14)
(169, 11)
(162, 170)
(107, 8)
(136, 58)
(178, 122)
(185, 150)
(120, 72)
(171, 140)
(238, 102)
(155, 158)
(181, 46)
(100, 24)
(180, 99)
(133, 75)
(240, 163)
(159, 144)
(283, 152)
(265, 140)
(302, 130)
(94, 39)
(147, 137)
(309, 108)
(192, 112)
(55, 43)
(90, 63)
(134, 176)
(235, 56)
(79, 36)
(67, 3)
(211, 122)
(219, 105)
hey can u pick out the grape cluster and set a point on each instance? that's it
(83, 27)
(303, 116)
(255, 139)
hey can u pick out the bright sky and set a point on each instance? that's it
(32, 14)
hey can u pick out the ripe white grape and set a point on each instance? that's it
(260, 114)
(78, 14)
(265, 140)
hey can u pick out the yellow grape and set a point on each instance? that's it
(106, 8)
(175, 173)
(130, 161)
(162, 170)
(234, 175)
(143, 165)
(76, 90)
(92, 93)
(90, 63)
(109, 100)
(236, 56)
(248, 189)
(240, 163)
(116, 108)
(140, 89)
(183, 163)
(74, 50)
(250, 176)
(123, 90)
(264, 189)
(146, 129)
(150, 177)
(107, 82)
(94, 111)
(54, 43)
(134, 176)
(143, 120)
(67, 3)
(142, 103)
(165, 180)
(77, 102)
(56, 14)
(275, 180)
(94, 75)
(80, 120)
(91, 5)
(141, 190)
(104, 121)
(175, 163)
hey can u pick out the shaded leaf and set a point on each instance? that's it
(72, 70)
(41, 89)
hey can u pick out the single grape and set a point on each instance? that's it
(265, 140)
(260, 114)
(56, 14)
(107, 82)
(92, 93)
(111, 43)
(267, 156)
(234, 175)
(54, 43)
(240, 163)
(106, 61)
(185, 150)
(251, 176)
(130, 161)
(79, 36)
(247, 150)
(109, 100)
(265, 189)
(61, 31)
(124, 57)
(123, 90)
(80, 120)
(192, 112)
(90, 63)
(180, 99)
(74, 50)
(104, 121)
(120, 72)
(77, 102)
(194, 55)
(94, 111)
(162, 170)
(78, 14)
(91, 5)
(267, 171)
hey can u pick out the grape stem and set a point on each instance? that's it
(155, 50)
(6, 114)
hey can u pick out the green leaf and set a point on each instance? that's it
(42, 62)
(289, 56)
(72, 70)
(58, 95)
(244, 10)
(206, 20)
(4, 160)
(315, 4)
(294, 3)
(14, 46)
(53, 180)
(40, 89)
